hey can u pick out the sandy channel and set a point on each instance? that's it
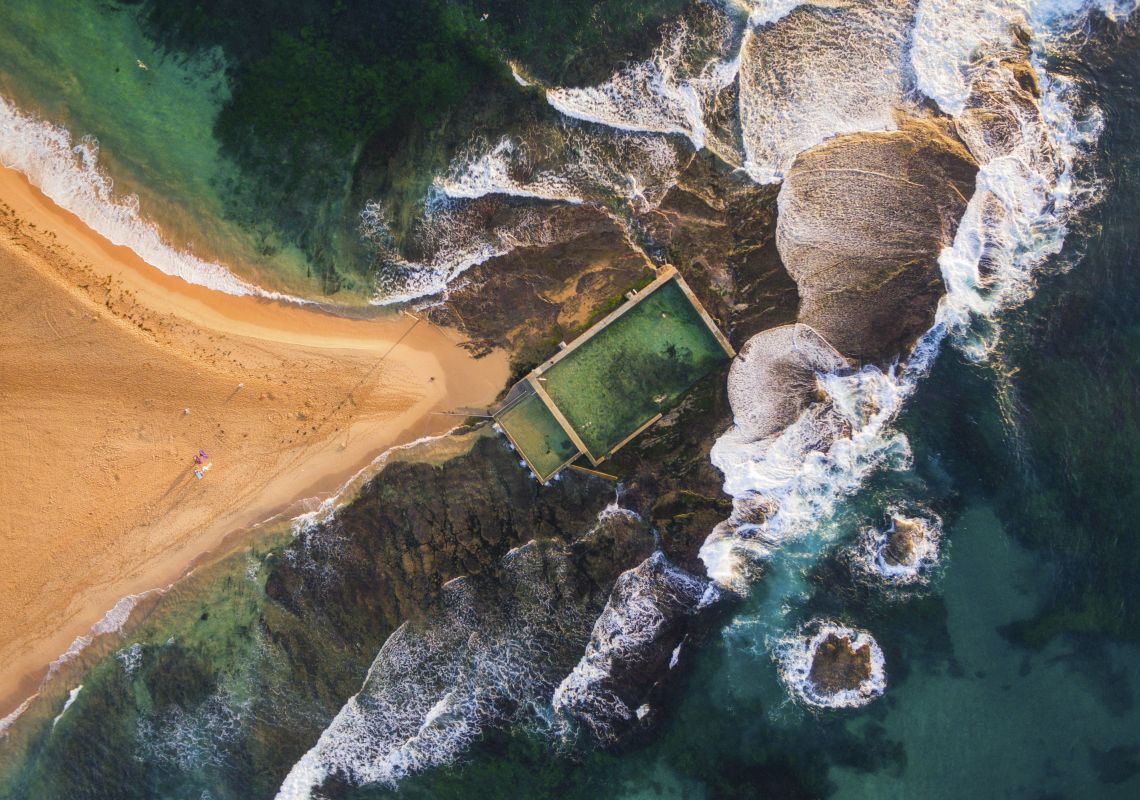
(100, 355)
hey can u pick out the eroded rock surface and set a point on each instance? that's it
(862, 220)
(838, 666)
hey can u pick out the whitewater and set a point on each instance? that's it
(69, 173)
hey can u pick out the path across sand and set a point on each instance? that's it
(99, 356)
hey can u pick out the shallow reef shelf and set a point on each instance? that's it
(616, 379)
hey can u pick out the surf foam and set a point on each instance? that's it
(436, 684)
(1016, 221)
(71, 696)
(667, 94)
(796, 655)
(948, 35)
(911, 560)
(68, 172)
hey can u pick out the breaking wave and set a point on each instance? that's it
(436, 684)
(497, 198)
(68, 173)
(111, 622)
(785, 483)
(453, 237)
(671, 93)
(574, 165)
(948, 35)
(71, 697)
(821, 70)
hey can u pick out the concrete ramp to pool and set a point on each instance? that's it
(615, 380)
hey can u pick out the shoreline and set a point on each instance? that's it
(104, 351)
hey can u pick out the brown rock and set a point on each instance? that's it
(837, 666)
(862, 220)
(902, 544)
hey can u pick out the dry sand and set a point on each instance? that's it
(99, 355)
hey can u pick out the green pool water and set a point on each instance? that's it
(538, 435)
(633, 369)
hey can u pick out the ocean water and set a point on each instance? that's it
(1007, 660)
(1010, 664)
(125, 147)
(213, 142)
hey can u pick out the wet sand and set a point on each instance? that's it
(100, 355)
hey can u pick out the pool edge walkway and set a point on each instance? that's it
(533, 379)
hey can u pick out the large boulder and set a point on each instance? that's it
(862, 220)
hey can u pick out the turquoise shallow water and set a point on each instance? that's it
(77, 65)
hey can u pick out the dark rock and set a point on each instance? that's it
(611, 690)
(534, 296)
(717, 227)
(415, 526)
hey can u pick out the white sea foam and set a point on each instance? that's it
(74, 693)
(188, 739)
(795, 655)
(453, 237)
(436, 684)
(582, 166)
(948, 36)
(1017, 219)
(8, 721)
(784, 484)
(877, 558)
(820, 71)
(68, 172)
(111, 622)
(479, 174)
(480, 209)
(667, 94)
(130, 658)
(765, 12)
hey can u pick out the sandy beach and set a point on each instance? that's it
(101, 356)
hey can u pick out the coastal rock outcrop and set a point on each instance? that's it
(773, 378)
(839, 665)
(634, 642)
(862, 220)
(904, 542)
(384, 558)
(717, 227)
(829, 665)
(534, 295)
